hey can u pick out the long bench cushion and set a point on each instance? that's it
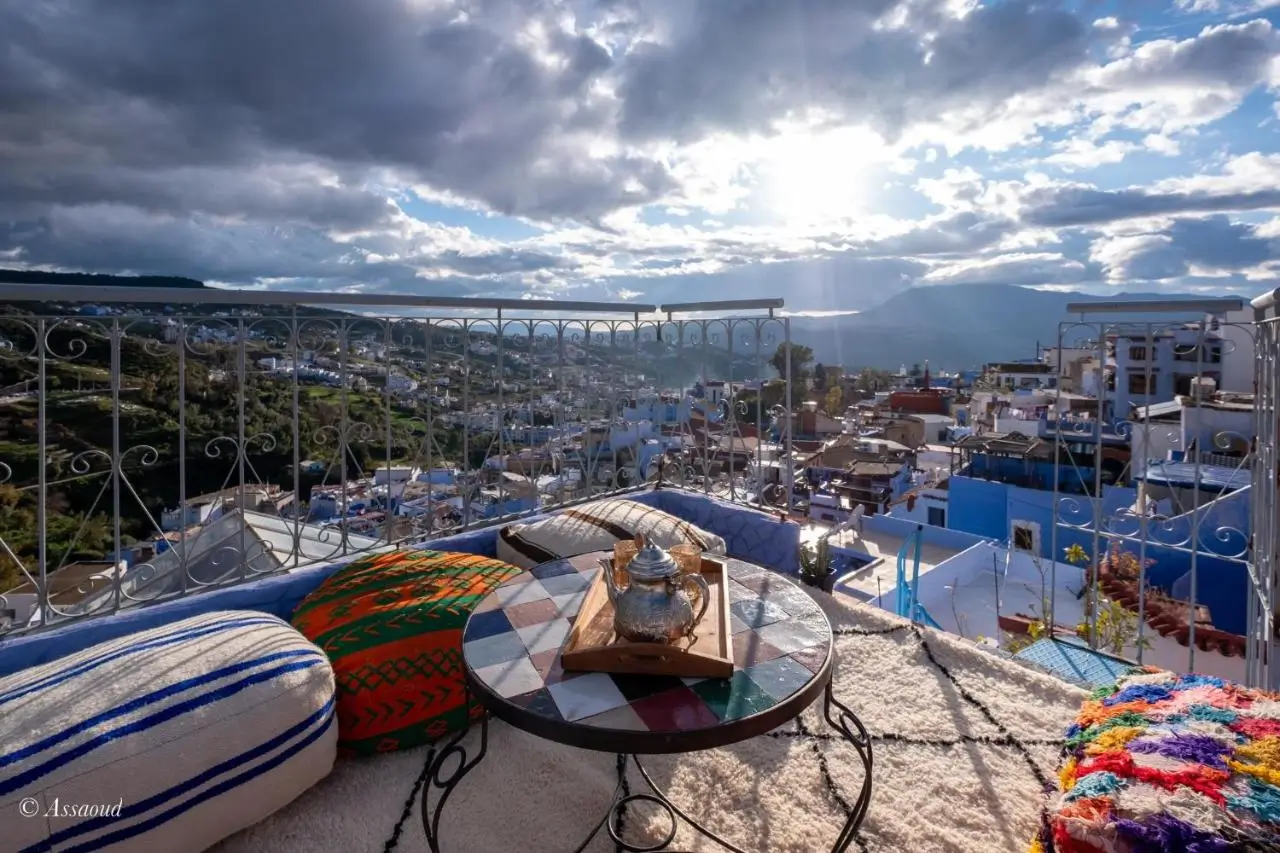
(596, 527)
(168, 739)
(1161, 761)
(392, 627)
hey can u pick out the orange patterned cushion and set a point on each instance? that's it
(391, 625)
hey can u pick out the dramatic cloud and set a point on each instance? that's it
(829, 151)
(1204, 247)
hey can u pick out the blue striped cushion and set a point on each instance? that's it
(193, 731)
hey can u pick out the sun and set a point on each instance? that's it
(808, 178)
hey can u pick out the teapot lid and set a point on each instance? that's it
(651, 562)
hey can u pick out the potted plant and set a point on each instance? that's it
(816, 565)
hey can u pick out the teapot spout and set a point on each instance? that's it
(610, 580)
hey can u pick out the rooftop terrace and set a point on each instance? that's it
(136, 413)
(879, 549)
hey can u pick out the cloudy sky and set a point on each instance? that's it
(827, 151)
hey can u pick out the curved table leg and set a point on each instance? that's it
(436, 779)
(837, 715)
(851, 729)
(612, 820)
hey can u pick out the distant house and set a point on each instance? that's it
(1154, 368)
(812, 423)
(395, 474)
(1033, 374)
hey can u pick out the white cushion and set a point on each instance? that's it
(595, 527)
(195, 730)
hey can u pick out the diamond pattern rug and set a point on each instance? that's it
(964, 744)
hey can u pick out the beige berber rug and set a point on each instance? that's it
(964, 742)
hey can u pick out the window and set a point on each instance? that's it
(937, 516)
(1024, 538)
(1138, 383)
(1137, 353)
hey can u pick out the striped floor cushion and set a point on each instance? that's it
(392, 627)
(168, 739)
(595, 527)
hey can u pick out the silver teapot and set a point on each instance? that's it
(654, 606)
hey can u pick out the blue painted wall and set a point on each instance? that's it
(1023, 472)
(510, 506)
(979, 507)
(989, 509)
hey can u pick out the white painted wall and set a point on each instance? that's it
(1237, 351)
(1027, 424)
(1169, 654)
(936, 498)
(25, 606)
(961, 593)
(1205, 426)
(1062, 358)
(1208, 425)
(1152, 442)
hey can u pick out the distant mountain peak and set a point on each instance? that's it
(953, 327)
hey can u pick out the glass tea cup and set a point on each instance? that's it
(688, 557)
(623, 553)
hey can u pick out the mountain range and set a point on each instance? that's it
(961, 326)
(96, 279)
(953, 327)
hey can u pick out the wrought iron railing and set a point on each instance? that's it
(1264, 573)
(156, 442)
(1163, 553)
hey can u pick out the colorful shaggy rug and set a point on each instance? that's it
(1164, 762)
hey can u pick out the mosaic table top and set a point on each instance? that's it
(511, 646)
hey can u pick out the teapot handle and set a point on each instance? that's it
(704, 593)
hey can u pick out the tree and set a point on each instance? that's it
(871, 380)
(819, 375)
(834, 401)
(801, 358)
(69, 536)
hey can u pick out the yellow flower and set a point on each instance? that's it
(1076, 555)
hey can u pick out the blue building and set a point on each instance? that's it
(1003, 490)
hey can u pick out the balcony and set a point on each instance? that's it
(168, 462)
(1075, 429)
(199, 446)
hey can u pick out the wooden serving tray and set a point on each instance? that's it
(592, 645)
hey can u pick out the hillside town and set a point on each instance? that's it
(1156, 423)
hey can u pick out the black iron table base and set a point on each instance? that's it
(448, 763)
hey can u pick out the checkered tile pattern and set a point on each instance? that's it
(513, 639)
